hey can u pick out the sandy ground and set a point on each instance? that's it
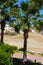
(34, 42)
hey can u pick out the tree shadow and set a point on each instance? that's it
(18, 61)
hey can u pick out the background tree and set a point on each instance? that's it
(5, 14)
(3, 22)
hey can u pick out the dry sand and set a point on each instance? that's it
(35, 41)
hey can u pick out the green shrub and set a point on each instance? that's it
(8, 48)
(4, 58)
(21, 49)
(5, 53)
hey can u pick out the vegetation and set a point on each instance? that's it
(29, 9)
(6, 51)
(39, 25)
(21, 49)
(4, 58)
(17, 28)
(6, 15)
(28, 62)
(8, 48)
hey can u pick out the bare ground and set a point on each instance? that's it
(35, 41)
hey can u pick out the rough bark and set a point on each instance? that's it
(2, 29)
(25, 46)
(25, 39)
(2, 35)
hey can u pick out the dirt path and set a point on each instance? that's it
(29, 56)
(35, 42)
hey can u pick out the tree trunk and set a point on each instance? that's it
(25, 38)
(2, 35)
(2, 29)
(25, 46)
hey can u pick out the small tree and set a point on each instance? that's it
(6, 15)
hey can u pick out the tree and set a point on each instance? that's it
(6, 15)
(29, 9)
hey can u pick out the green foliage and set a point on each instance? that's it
(17, 28)
(2, 1)
(5, 53)
(24, 6)
(40, 2)
(4, 58)
(11, 24)
(9, 2)
(39, 25)
(30, 8)
(9, 49)
(21, 49)
(26, 26)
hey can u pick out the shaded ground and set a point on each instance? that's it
(20, 62)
